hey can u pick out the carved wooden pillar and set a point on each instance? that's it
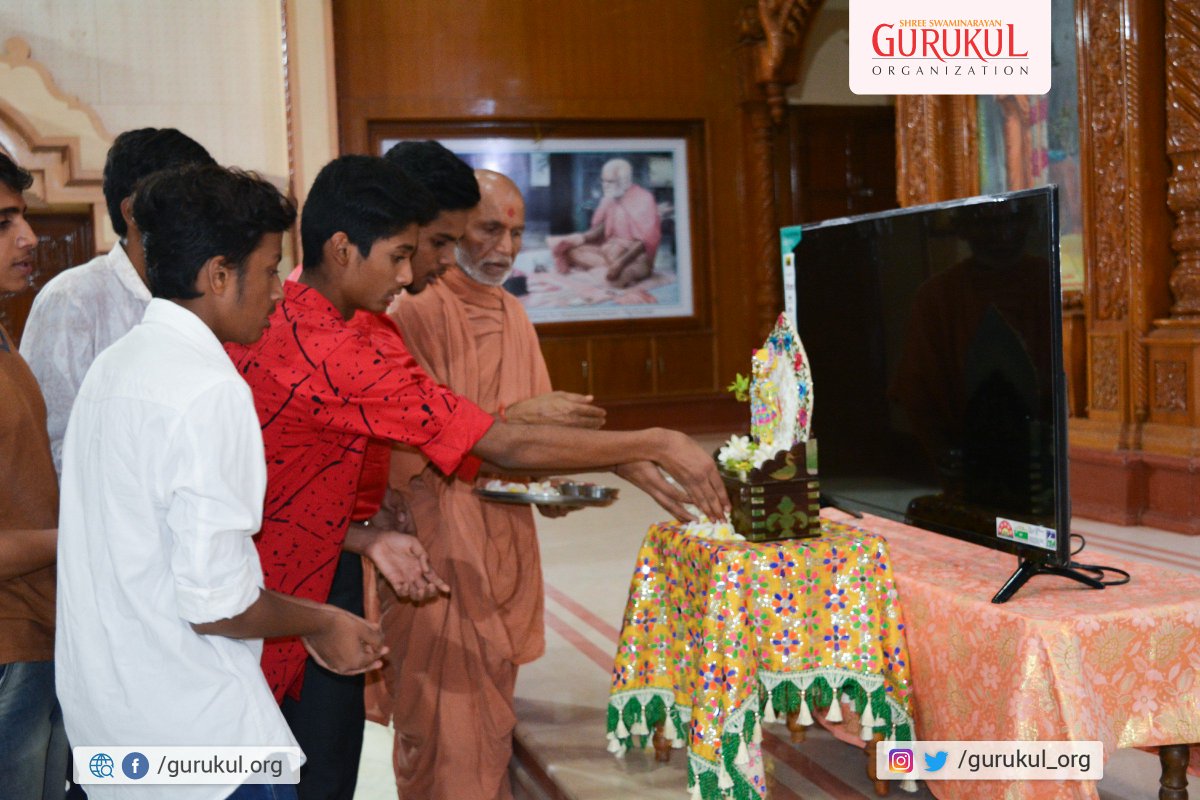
(937, 154)
(772, 34)
(1183, 147)
(1125, 223)
(1171, 433)
(1122, 80)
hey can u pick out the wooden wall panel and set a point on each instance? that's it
(523, 60)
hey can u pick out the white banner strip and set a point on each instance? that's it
(990, 761)
(120, 765)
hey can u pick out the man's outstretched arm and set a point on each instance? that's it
(551, 447)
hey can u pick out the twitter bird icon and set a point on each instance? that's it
(936, 761)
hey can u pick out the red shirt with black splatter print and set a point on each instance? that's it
(322, 389)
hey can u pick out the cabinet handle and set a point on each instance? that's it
(649, 367)
(583, 365)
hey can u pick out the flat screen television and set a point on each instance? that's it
(935, 339)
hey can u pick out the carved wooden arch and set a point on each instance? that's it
(55, 136)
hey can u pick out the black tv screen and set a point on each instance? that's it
(935, 339)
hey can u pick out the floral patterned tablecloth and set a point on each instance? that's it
(1055, 662)
(719, 636)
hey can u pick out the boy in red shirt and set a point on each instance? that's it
(323, 389)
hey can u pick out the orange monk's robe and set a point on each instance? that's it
(453, 662)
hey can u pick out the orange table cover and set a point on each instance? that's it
(1056, 662)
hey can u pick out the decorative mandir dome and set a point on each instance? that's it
(771, 475)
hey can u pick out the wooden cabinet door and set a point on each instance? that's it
(684, 364)
(567, 361)
(64, 240)
(622, 367)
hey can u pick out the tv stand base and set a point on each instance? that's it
(1028, 569)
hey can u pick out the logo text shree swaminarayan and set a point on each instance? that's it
(945, 42)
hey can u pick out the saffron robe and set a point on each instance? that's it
(453, 662)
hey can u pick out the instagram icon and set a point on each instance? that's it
(900, 760)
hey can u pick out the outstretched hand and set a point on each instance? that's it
(557, 408)
(403, 562)
(347, 644)
(696, 472)
(646, 476)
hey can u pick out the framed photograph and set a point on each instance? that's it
(608, 219)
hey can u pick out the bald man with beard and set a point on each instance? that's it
(454, 666)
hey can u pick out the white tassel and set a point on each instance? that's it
(908, 785)
(695, 793)
(757, 737)
(622, 731)
(867, 721)
(835, 710)
(677, 744)
(639, 727)
(724, 781)
(742, 756)
(805, 717)
(614, 745)
(769, 712)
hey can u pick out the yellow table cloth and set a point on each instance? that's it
(719, 636)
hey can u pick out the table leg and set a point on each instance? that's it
(1174, 761)
(795, 727)
(881, 787)
(662, 745)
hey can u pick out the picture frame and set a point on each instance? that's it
(557, 166)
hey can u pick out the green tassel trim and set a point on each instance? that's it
(656, 712)
(632, 712)
(820, 694)
(742, 790)
(784, 695)
(856, 694)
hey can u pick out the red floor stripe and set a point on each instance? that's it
(811, 771)
(1137, 545)
(579, 642)
(584, 613)
(781, 791)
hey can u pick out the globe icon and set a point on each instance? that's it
(101, 765)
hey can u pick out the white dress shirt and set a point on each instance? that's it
(162, 490)
(74, 317)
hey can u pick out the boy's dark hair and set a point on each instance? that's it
(12, 175)
(190, 214)
(138, 153)
(447, 177)
(366, 197)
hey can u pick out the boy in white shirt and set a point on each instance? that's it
(84, 309)
(161, 611)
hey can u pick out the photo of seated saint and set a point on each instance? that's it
(625, 233)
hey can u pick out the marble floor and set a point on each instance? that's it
(561, 698)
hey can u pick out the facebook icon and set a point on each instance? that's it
(135, 766)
